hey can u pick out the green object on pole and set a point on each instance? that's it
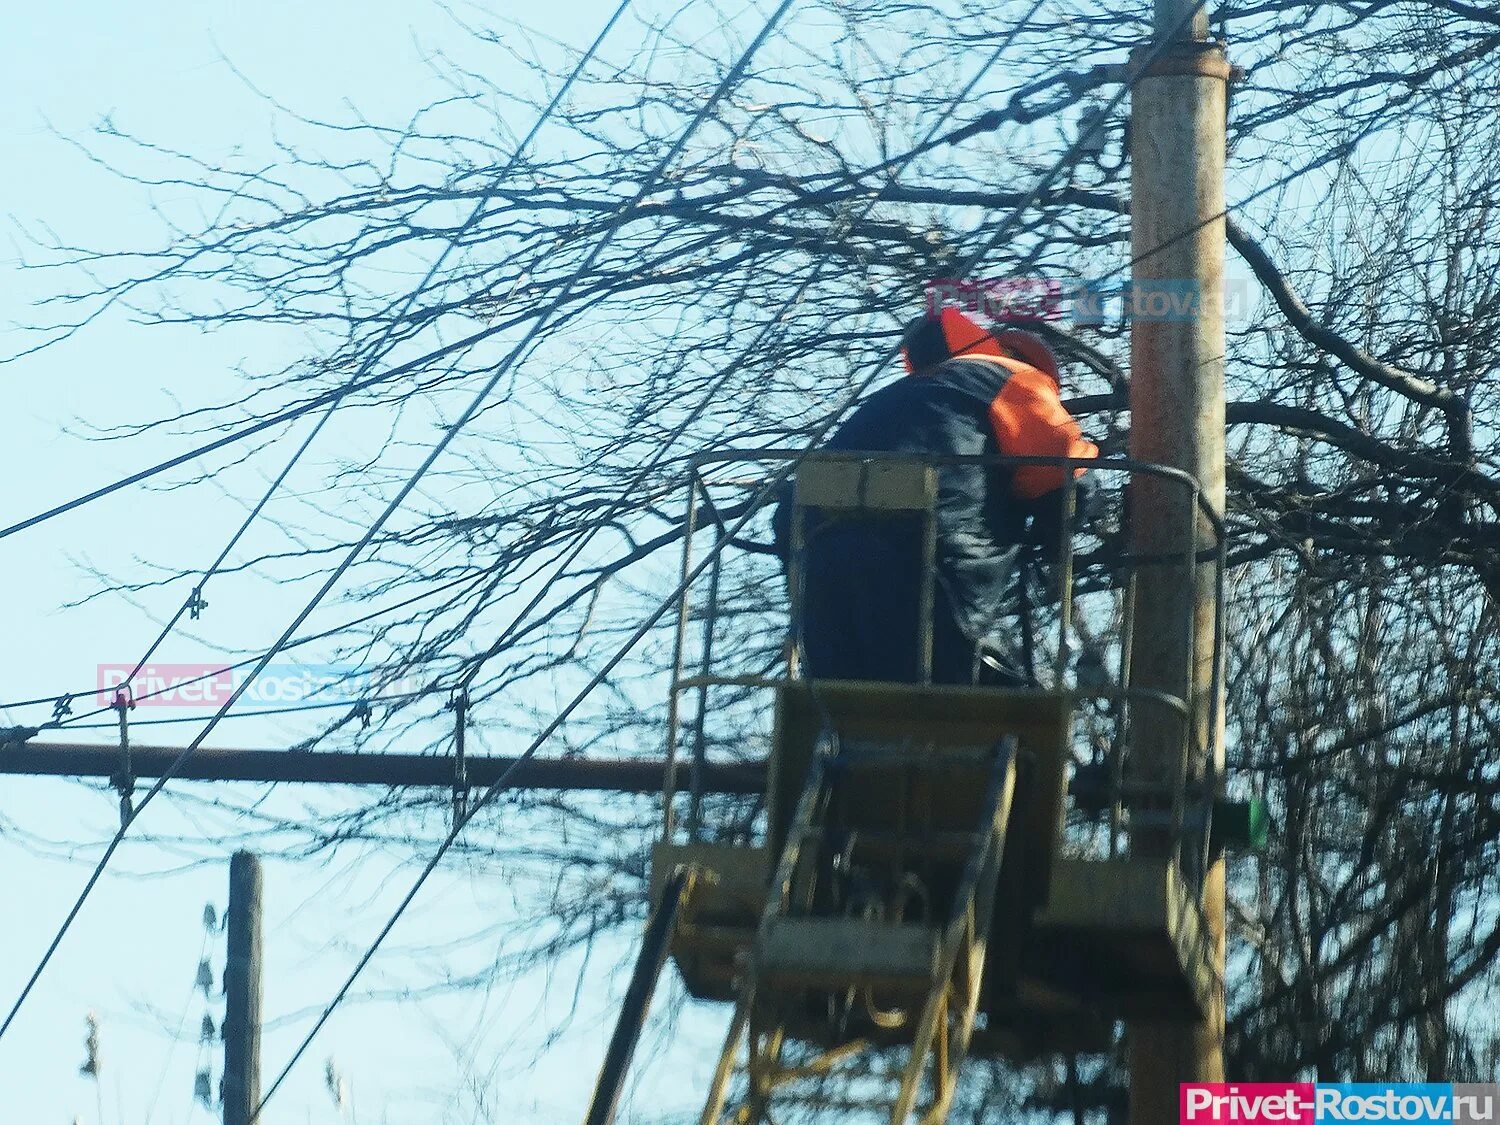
(1241, 825)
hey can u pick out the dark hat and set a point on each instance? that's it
(938, 336)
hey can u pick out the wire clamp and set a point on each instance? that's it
(196, 603)
(459, 705)
(62, 707)
(124, 778)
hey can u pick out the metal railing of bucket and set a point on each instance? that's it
(1120, 568)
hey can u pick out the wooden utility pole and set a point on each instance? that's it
(242, 993)
(1177, 418)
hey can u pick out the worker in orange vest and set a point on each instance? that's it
(969, 390)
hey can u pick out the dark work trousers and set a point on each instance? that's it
(861, 593)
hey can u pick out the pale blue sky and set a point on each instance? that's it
(155, 70)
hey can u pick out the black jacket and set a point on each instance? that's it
(982, 525)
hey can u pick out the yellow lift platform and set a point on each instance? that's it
(912, 884)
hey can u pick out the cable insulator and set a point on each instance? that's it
(124, 778)
(460, 706)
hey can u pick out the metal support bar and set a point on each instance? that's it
(927, 600)
(777, 900)
(798, 831)
(1065, 579)
(739, 1024)
(460, 761)
(940, 1030)
(705, 666)
(1133, 465)
(679, 643)
(637, 1004)
(1025, 616)
(53, 759)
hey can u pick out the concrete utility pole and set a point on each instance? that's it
(242, 992)
(1177, 418)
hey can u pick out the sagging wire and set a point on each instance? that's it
(769, 489)
(400, 497)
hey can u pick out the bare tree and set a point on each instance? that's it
(1365, 505)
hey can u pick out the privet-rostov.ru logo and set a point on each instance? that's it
(1303, 1103)
(1087, 303)
(210, 685)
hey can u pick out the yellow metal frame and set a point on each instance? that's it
(753, 931)
(940, 970)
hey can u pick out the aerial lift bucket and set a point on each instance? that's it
(893, 808)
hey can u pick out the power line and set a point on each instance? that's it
(1129, 261)
(74, 720)
(378, 351)
(647, 185)
(289, 709)
(1004, 229)
(359, 382)
(130, 817)
(985, 123)
(166, 1065)
(843, 228)
(332, 399)
(288, 415)
(655, 616)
